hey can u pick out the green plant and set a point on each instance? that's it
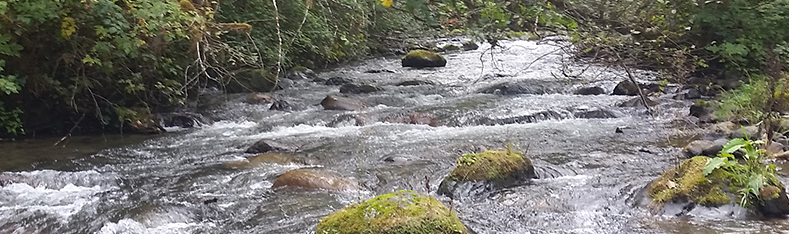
(750, 177)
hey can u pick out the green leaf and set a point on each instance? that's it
(733, 145)
(714, 163)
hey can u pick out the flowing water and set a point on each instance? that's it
(590, 175)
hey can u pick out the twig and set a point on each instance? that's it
(70, 131)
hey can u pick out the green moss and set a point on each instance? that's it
(516, 34)
(687, 182)
(702, 103)
(299, 69)
(450, 47)
(489, 165)
(424, 54)
(402, 212)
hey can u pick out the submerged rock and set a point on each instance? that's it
(312, 179)
(415, 83)
(259, 98)
(414, 118)
(590, 91)
(470, 45)
(423, 58)
(265, 145)
(686, 186)
(338, 81)
(477, 173)
(333, 102)
(282, 105)
(359, 88)
(508, 88)
(394, 213)
(636, 102)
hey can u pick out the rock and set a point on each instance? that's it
(182, 119)
(259, 98)
(394, 213)
(687, 94)
(590, 91)
(626, 88)
(359, 89)
(332, 102)
(451, 47)
(415, 83)
(265, 158)
(703, 110)
(423, 58)
(704, 148)
(265, 145)
(413, 118)
(595, 113)
(724, 128)
(350, 120)
(774, 148)
(312, 179)
(301, 73)
(338, 81)
(285, 83)
(470, 45)
(379, 71)
(687, 184)
(513, 89)
(477, 173)
(254, 80)
(636, 102)
(749, 131)
(282, 105)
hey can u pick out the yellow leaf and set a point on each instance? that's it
(387, 3)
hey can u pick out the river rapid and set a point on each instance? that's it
(590, 175)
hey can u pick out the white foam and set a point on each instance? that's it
(129, 226)
(63, 202)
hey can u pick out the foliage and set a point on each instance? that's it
(750, 177)
(749, 100)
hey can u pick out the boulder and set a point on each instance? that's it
(477, 173)
(338, 81)
(636, 102)
(450, 47)
(703, 110)
(259, 98)
(359, 88)
(265, 158)
(724, 128)
(333, 102)
(313, 179)
(265, 145)
(394, 213)
(423, 58)
(413, 118)
(282, 105)
(348, 120)
(415, 83)
(704, 148)
(687, 186)
(748, 131)
(254, 80)
(508, 88)
(595, 113)
(626, 88)
(470, 45)
(590, 91)
(301, 73)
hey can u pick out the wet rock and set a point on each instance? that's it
(703, 110)
(350, 120)
(259, 98)
(182, 119)
(254, 80)
(483, 172)
(595, 113)
(338, 81)
(265, 158)
(413, 118)
(397, 158)
(513, 89)
(687, 186)
(704, 148)
(404, 211)
(359, 88)
(451, 47)
(749, 131)
(282, 105)
(285, 83)
(636, 102)
(415, 83)
(470, 45)
(313, 179)
(265, 145)
(301, 73)
(626, 88)
(379, 71)
(333, 102)
(590, 91)
(687, 94)
(423, 58)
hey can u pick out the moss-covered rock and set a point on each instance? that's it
(489, 170)
(394, 213)
(423, 58)
(686, 184)
(451, 47)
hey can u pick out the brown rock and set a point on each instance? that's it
(312, 179)
(332, 102)
(259, 98)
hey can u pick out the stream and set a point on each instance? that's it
(590, 175)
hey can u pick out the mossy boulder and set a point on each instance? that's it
(451, 47)
(686, 184)
(423, 58)
(253, 80)
(314, 179)
(477, 173)
(626, 88)
(394, 213)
